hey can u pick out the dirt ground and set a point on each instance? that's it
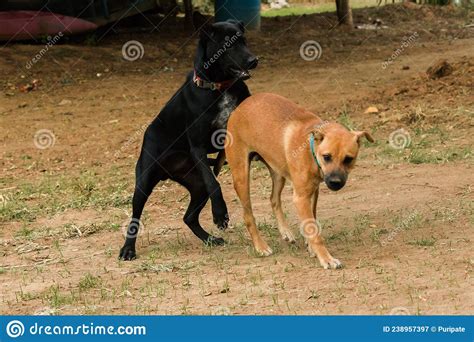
(403, 226)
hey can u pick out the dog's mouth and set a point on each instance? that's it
(241, 74)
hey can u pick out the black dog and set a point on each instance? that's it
(177, 142)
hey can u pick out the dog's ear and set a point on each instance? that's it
(318, 136)
(360, 134)
(240, 24)
(202, 24)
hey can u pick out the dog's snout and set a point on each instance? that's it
(252, 62)
(335, 182)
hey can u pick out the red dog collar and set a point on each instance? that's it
(211, 85)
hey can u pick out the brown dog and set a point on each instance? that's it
(295, 145)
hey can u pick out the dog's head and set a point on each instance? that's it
(337, 150)
(223, 53)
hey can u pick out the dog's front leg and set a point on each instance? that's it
(310, 229)
(219, 208)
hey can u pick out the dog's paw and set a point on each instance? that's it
(263, 249)
(330, 263)
(214, 241)
(287, 235)
(325, 259)
(221, 221)
(127, 253)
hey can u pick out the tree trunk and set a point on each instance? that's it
(344, 12)
(188, 13)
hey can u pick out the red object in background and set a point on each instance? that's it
(21, 25)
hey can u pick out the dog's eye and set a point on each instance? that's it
(348, 160)
(327, 158)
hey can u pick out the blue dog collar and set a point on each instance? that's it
(311, 145)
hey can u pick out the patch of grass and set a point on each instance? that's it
(26, 296)
(147, 266)
(271, 235)
(319, 8)
(15, 211)
(339, 236)
(345, 119)
(408, 221)
(361, 223)
(268, 229)
(444, 214)
(423, 156)
(377, 233)
(24, 233)
(56, 194)
(66, 231)
(427, 147)
(298, 10)
(89, 281)
(423, 242)
(57, 299)
(258, 165)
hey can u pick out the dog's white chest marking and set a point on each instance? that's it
(226, 106)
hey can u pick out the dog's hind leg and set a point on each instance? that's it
(240, 167)
(192, 181)
(148, 174)
(220, 214)
(275, 199)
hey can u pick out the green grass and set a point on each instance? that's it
(311, 9)
(56, 298)
(24, 233)
(298, 10)
(426, 156)
(423, 242)
(89, 282)
(408, 220)
(53, 195)
(345, 119)
(427, 147)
